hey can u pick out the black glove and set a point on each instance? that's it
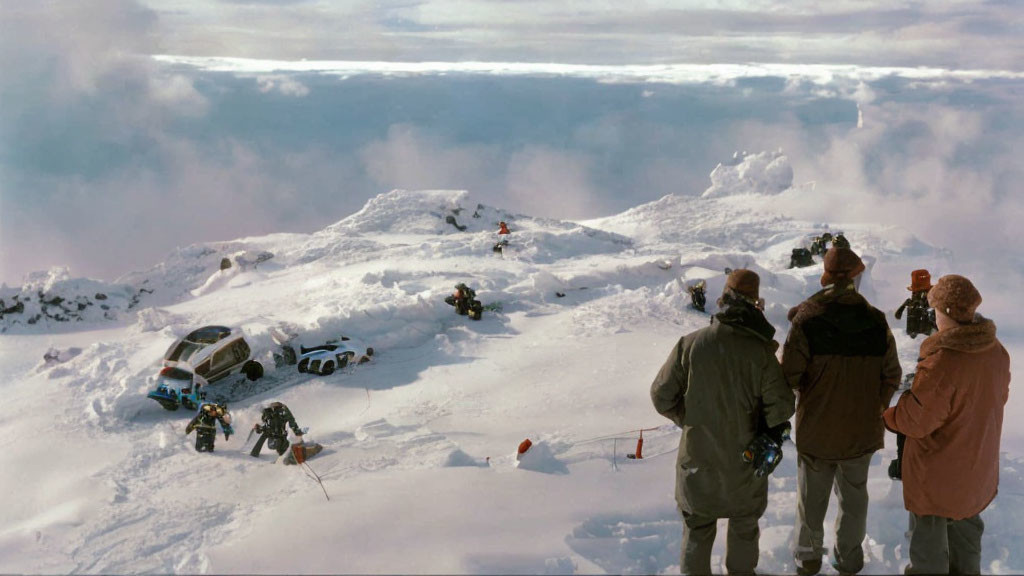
(258, 428)
(764, 454)
(780, 433)
(895, 470)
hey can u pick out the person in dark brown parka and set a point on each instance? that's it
(841, 358)
(721, 385)
(952, 418)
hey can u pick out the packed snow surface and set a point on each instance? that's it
(420, 460)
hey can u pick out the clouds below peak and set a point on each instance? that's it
(98, 140)
(951, 34)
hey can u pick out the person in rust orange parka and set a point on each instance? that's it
(952, 417)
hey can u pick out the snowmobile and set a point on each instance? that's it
(333, 355)
(177, 387)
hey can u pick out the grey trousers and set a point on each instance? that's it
(943, 546)
(849, 480)
(740, 545)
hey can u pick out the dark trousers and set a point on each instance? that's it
(740, 545)
(943, 546)
(204, 439)
(278, 443)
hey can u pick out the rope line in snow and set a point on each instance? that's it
(316, 477)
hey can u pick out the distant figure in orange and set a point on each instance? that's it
(920, 316)
(504, 231)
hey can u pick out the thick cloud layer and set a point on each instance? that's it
(109, 159)
(958, 34)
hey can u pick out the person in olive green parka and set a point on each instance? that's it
(722, 384)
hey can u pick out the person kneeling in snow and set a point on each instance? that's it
(465, 302)
(729, 378)
(952, 418)
(205, 424)
(698, 298)
(274, 418)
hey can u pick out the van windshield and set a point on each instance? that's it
(183, 351)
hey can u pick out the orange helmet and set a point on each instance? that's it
(920, 281)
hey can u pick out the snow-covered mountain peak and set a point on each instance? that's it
(404, 211)
(765, 173)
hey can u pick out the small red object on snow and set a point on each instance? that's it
(524, 446)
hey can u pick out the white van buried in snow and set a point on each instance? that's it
(204, 356)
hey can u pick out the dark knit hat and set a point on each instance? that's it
(744, 282)
(841, 264)
(956, 297)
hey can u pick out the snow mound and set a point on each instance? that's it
(457, 458)
(731, 223)
(195, 267)
(541, 458)
(156, 319)
(407, 212)
(765, 173)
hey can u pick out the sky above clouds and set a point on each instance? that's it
(128, 128)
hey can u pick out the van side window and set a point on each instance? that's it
(203, 368)
(240, 350)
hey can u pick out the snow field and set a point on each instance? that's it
(419, 459)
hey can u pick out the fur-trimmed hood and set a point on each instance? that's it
(974, 337)
(815, 305)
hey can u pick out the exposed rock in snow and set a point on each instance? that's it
(54, 297)
(55, 356)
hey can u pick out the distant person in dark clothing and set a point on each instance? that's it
(205, 425)
(273, 419)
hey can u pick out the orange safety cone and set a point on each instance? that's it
(639, 454)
